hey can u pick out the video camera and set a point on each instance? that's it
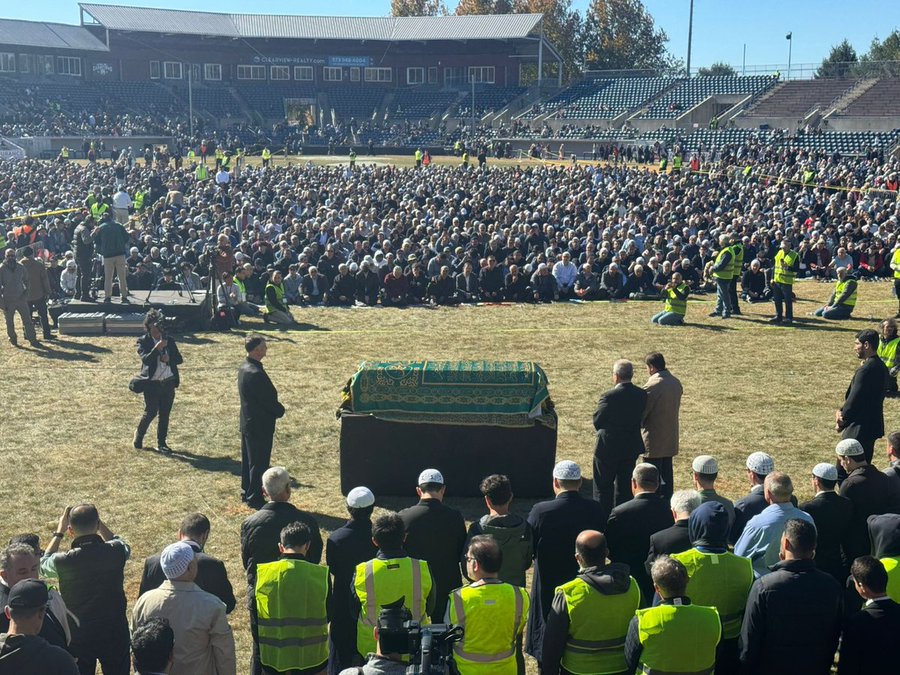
(429, 646)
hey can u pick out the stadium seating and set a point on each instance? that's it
(419, 103)
(357, 102)
(798, 97)
(566, 96)
(491, 99)
(217, 101)
(880, 100)
(618, 97)
(268, 99)
(688, 93)
(846, 142)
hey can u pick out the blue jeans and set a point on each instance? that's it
(839, 312)
(723, 297)
(668, 319)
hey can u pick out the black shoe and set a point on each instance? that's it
(737, 312)
(788, 321)
(776, 319)
(256, 505)
(164, 448)
(711, 314)
(138, 443)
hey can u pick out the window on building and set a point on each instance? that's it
(45, 65)
(415, 76)
(481, 74)
(7, 62)
(24, 63)
(379, 75)
(172, 70)
(212, 71)
(68, 65)
(251, 72)
(432, 75)
(453, 76)
(303, 73)
(332, 74)
(354, 74)
(280, 72)
(154, 70)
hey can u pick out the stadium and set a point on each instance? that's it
(445, 235)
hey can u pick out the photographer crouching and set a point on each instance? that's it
(157, 381)
(404, 646)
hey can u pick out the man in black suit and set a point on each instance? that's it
(631, 525)
(862, 415)
(675, 538)
(759, 465)
(160, 359)
(619, 442)
(869, 634)
(556, 525)
(832, 515)
(211, 574)
(259, 410)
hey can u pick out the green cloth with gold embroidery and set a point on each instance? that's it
(496, 393)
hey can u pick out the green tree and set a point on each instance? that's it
(563, 28)
(475, 7)
(417, 7)
(621, 35)
(718, 68)
(882, 59)
(839, 62)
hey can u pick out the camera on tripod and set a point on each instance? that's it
(429, 646)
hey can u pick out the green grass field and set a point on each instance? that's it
(68, 416)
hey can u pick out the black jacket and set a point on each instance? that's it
(146, 349)
(863, 409)
(744, 509)
(261, 532)
(832, 515)
(612, 579)
(618, 422)
(436, 534)
(871, 493)
(673, 539)
(869, 639)
(33, 655)
(884, 533)
(792, 621)
(212, 576)
(51, 630)
(259, 401)
(628, 533)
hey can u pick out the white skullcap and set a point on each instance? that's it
(175, 559)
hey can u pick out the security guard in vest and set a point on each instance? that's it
(191, 155)
(266, 157)
(676, 636)
(737, 269)
(589, 617)
(491, 612)
(391, 576)
(895, 266)
(292, 597)
(717, 578)
(723, 271)
(843, 299)
(201, 173)
(675, 293)
(884, 533)
(787, 262)
(676, 163)
(663, 162)
(887, 352)
(418, 156)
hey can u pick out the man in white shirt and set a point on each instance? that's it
(121, 203)
(223, 178)
(565, 272)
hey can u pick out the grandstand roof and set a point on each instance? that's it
(50, 35)
(389, 29)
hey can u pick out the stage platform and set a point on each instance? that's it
(187, 313)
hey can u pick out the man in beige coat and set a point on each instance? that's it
(204, 644)
(659, 426)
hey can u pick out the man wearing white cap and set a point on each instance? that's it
(868, 489)
(204, 644)
(832, 515)
(436, 533)
(759, 465)
(705, 470)
(347, 547)
(556, 524)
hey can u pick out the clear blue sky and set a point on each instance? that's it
(721, 27)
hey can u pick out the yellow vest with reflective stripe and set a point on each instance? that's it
(98, 209)
(887, 352)
(291, 613)
(892, 566)
(266, 154)
(676, 162)
(191, 155)
(492, 616)
(674, 303)
(737, 259)
(678, 639)
(279, 295)
(720, 580)
(784, 263)
(895, 262)
(839, 289)
(727, 272)
(201, 173)
(382, 582)
(598, 624)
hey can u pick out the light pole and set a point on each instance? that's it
(690, 38)
(789, 37)
(190, 69)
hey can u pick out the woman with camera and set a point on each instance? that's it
(160, 359)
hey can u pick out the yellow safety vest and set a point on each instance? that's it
(65, 153)
(678, 639)
(737, 259)
(291, 598)
(895, 262)
(418, 155)
(201, 173)
(279, 295)
(841, 286)
(784, 263)
(381, 582)
(892, 566)
(492, 616)
(674, 303)
(598, 624)
(266, 155)
(887, 352)
(727, 272)
(676, 163)
(191, 155)
(720, 580)
(98, 209)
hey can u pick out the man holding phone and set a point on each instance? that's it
(160, 359)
